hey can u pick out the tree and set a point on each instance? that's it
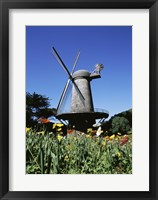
(37, 106)
(127, 114)
(120, 124)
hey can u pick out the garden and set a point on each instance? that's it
(54, 148)
(77, 152)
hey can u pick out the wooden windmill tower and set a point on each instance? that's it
(82, 114)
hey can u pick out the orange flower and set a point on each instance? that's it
(106, 138)
(43, 120)
(70, 131)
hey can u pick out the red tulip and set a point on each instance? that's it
(124, 140)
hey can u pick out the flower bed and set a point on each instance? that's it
(77, 153)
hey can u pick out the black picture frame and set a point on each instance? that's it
(5, 5)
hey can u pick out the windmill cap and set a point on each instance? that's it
(81, 73)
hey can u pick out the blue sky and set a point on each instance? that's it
(109, 45)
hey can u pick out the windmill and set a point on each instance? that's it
(82, 114)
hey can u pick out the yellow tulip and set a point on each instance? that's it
(57, 125)
(60, 125)
(89, 130)
(112, 136)
(88, 136)
(27, 129)
(103, 143)
(59, 137)
(54, 125)
(119, 154)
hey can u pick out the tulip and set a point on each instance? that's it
(112, 137)
(124, 140)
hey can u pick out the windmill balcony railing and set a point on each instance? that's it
(100, 110)
(95, 110)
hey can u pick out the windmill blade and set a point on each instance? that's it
(67, 71)
(75, 63)
(61, 62)
(67, 84)
(63, 95)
